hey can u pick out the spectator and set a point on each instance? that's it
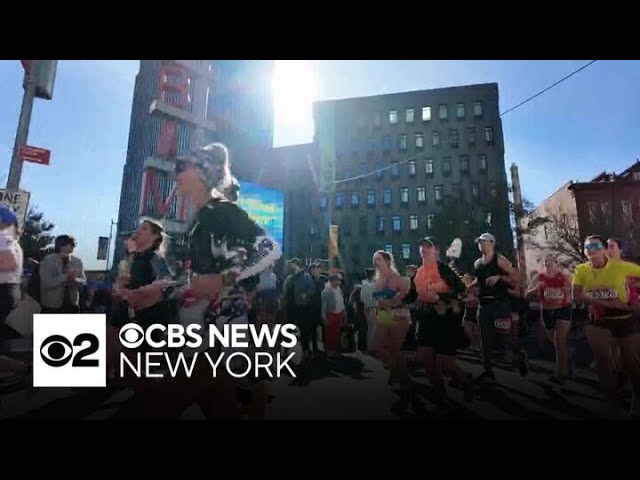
(11, 259)
(333, 313)
(61, 275)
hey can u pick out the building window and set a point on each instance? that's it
(409, 115)
(453, 137)
(477, 109)
(460, 110)
(488, 135)
(355, 199)
(403, 142)
(362, 225)
(464, 165)
(389, 249)
(439, 192)
(482, 164)
(443, 112)
(428, 168)
(386, 143)
(379, 171)
(406, 251)
(493, 189)
(370, 144)
(396, 223)
(419, 140)
(380, 224)
(371, 198)
(471, 136)
(475, 190)
(393, 117)
(426, 114)
(314, 229)
(435, 139)
(386, 196)
(627, 212)
(395, 170)
(430, 221)
(377, 119)
(363, 169)
(323, 201)
(446, 167)
(412, 168)
(339, 200)
(404, 195)
(422, 194)
(413, 222)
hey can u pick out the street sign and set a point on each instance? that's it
(17, 200)
(34, 154)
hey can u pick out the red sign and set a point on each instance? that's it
(35, 154)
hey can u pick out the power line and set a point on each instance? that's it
(549, 87)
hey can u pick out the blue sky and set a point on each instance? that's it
(584, 125)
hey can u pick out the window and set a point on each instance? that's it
(355, 199)
(412, 168)
(428, 168)
(380, 224)
(363, 169)
(396, 223)
(386, 196)
(636, 175)
(422, 194)
(377, 119)
(406, 251)
(393, 117)
(430, 221)
(627, 212)
(404, 195)
(443, 112)
(446, 167)
(477, 109)
(323, 201)
(493, 189)
(482, 163)
(453, 137)
(471, 135)
(439, 192)
(488, 135)
(475, 190)
(413, 222)
(426, 114)
(395, 170)
(371, 198)
(409, 114)
(313, 229)
(464, 165)
(435, 139)
(379, 171)
(362, 225)
(386, 143)
(403, 142)
(419, 140)
(370, 144)
(460, 110)
(339, 200)
(389, 249)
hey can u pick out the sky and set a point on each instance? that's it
(587, 124)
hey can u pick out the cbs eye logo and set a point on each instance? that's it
(57, 351)
(131, 335)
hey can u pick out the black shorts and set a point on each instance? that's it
(551, 317)
(519, 305)
(440, 332)
(619, 327)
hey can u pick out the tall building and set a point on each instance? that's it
(179, 105)
(410, 164)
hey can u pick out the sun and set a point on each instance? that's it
(294, 91)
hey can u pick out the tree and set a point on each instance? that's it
(557, 233)
(36, 235)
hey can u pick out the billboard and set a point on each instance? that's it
(266, 207)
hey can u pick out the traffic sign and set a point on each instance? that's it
(17, 200)
(35, 154)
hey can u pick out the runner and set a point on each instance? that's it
(601, 283)
(493, 273)
(392, 324)
(554, 289)
(438, 313)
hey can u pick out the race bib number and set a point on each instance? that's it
(603, 294)
(553, 294)
(503, 325)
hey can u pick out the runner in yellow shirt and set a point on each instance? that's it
(602, 284)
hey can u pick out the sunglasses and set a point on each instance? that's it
(594, 246)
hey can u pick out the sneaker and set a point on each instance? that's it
(523, 364)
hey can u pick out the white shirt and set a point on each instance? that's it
(337, 293)
(9, 243)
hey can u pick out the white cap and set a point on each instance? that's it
(486, 237)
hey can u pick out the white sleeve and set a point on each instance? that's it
(4, 243)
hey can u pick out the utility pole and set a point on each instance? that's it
(30, 85)
(518, 214)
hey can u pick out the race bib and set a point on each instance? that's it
(553, 294)
(503, 325)
(603, 294)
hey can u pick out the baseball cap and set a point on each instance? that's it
(7, 215)
(430, 241)
(486, 237)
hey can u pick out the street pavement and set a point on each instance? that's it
(354, 387)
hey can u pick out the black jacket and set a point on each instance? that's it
(450, 278)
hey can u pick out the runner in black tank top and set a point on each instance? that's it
(494, 309)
